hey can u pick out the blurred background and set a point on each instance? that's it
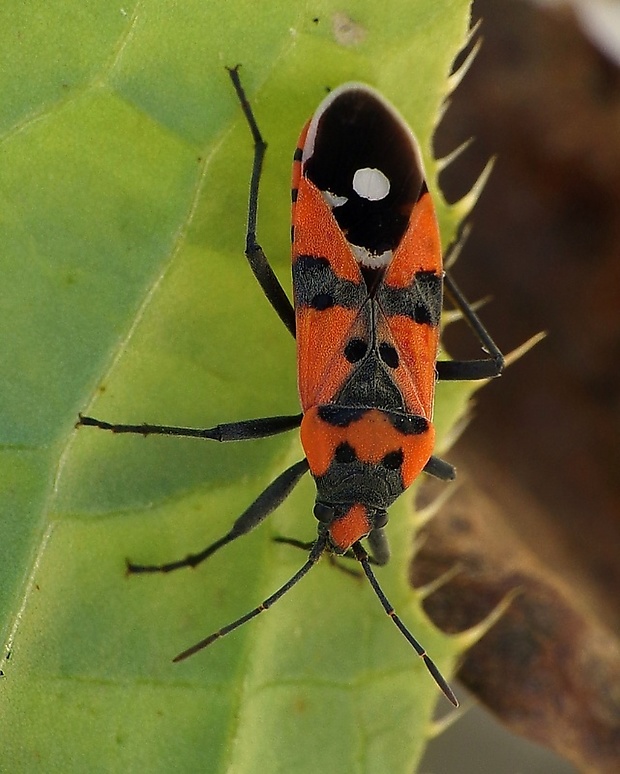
(538, 508)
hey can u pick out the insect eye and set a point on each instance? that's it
(380, 519)
(324, 513)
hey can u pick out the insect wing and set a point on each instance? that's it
(364, 226)
(410, 299)
(329, 292)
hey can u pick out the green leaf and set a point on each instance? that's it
(124, 169)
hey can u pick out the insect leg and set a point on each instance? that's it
(273, 496)
(377, 541)
(317, 549)
(466, 370)
(230, 431)
(332, 558)
(305, 545)
(254, 252)
(362, 558)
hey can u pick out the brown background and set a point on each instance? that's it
(539, 504)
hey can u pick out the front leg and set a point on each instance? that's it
(254, 252)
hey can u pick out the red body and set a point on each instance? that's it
(367, 281)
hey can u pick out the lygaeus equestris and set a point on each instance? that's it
(368, 288)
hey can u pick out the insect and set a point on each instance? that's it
(368, 289)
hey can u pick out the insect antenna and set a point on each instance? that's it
(363, 559)
(314, 556)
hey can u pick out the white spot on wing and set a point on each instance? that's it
(334, 95)
(333, 200)
(372, 260)
(371, 184)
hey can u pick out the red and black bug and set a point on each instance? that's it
(368, 288)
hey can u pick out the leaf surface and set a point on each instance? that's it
(124, 168)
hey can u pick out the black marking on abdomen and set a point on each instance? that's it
(408, 424)
(373, 485)
(393, 460)
(341, 416)
(344, 453)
